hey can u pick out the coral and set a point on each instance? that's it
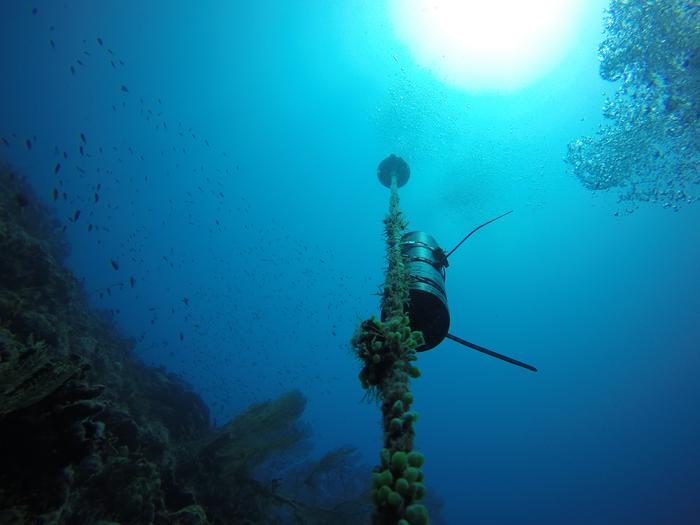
(402, 486)
(190, 515)
(399, 461)
(387, 348)
(249, 439)
(20, 206)
(386, 478)
(415, 459)
(91, 435)
(417, 514)
(394, 499)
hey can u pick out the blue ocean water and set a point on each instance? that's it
(222, 158)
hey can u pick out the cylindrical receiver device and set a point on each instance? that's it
(427, 307)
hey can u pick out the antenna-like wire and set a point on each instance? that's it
(474, 230)
(491, 353)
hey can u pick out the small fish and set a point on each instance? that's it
(206, 142)
(186, 301)
(34, 10)
(53, 44)
(28, 143)
(82, 151)
(115, 264)
(132, 281)
(99, 40)
(65, 155)
(54, 194)
(124, 88)
(113, 64)
(80, 63)
(4, 141)
(97, 197)
(57, 168)
(182, 337)
(76, 216)
(90, 227)
(99, 185)
(72, 70)
(82, 137)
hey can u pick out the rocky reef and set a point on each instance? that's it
(91, 435)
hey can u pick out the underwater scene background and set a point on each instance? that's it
(193, 187)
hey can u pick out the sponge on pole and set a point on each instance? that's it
(387, 349)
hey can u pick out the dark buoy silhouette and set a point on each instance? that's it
(393, 166)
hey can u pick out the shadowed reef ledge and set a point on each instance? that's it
(91, 435)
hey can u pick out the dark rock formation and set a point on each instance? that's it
(91, 435)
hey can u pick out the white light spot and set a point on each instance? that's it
(486, 44)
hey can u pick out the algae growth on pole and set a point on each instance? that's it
(387, 350)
